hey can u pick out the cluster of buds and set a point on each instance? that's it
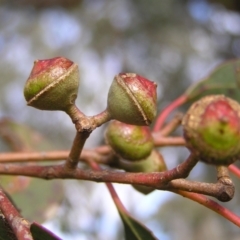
(132, 99)
(53, 85)
(135, 148)
(211, 125)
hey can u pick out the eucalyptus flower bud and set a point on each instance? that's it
(212, 129)
(52, 84)
(132, 99)
(129, 141)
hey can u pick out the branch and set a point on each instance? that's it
(100, 154)
(219, 190)
(157, 179)
(77, 146)
(19, 225)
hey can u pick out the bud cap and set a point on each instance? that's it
(132, 99)
(52, 84)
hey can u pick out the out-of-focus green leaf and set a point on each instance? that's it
(20, 137)
(134, 230)
(41, 233)
(39, 200)
(36, 199)
(6, 233)
(225, 79)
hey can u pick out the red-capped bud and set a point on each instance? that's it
(212, 129)
(129, 141)
(132, 99)
(52, 84)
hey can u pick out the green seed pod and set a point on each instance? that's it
(153, 163)
(129, 141)
(212, 129)
(52, 84)
(132, 99)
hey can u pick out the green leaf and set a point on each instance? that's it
(225, 79)
(25, 192)
(134, 230)
(41, 233)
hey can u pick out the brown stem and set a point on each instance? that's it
(20, 226)
(223, 176)
(219, 190)
(102, 118)
(157, 179)
(101, 154)
(183, 169)
(222, 171)
(78, 143)
(74, 113)
(59, 171)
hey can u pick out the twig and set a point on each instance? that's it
(183, 169)
(203, 200)
(171, 125)
(76, 150)
(156, 179)
(164, 114)
(234, 169)
(19, 225)
(111, 189)
(219, 190)
(100, 154)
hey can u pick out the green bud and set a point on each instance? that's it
(52, 84)
(212, 129)
(128, 141)
(132, 99)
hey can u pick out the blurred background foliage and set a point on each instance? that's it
(174, 43)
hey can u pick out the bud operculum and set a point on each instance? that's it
(52, 84)
(132, 99)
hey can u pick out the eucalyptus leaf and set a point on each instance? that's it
(41, 233)
(225, 79)
(134, 230)
(36, 199)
